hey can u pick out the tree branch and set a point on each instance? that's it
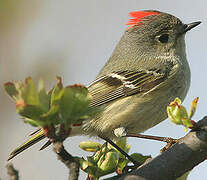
(67, 159)
(12, 172)
(190, 151)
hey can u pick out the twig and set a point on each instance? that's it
(168, 140)
(12, 172)
(156, 138)
(67, 159)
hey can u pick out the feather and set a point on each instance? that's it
(137, 17)
(33, 140)
(121, 84)
(35, 132)
(45, 145)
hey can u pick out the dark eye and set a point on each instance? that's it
(164, 38)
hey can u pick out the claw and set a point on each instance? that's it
(170, 142)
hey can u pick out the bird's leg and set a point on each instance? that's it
(168, 140)
(121, 151)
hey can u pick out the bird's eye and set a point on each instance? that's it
(164, 38)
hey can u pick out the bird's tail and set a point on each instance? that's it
(36, 137)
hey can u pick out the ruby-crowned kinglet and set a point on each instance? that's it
(147, 70)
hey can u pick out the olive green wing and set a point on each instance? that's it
(122, 84)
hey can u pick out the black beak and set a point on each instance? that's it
(188, 27)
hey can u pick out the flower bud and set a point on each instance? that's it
(176, 112)
(90, 146)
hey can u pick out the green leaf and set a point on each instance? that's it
(193, 107)
(122, 163)
(66, 106)
(29, 92)
(44, 97)
(187, 123)
(108, 163)
(57, 93)
(139, 157)
(11, 90)
(29, 111)
(97, 155)
(87, 167)
(83, 163)
(176, 112)
(31, 122)
(74, 103)
(122, 143)
(51, 117)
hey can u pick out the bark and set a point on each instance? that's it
(67, 159)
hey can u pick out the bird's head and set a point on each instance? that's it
(157, 31)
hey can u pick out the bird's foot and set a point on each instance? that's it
(170, 142)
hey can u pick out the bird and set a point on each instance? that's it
(146, 71)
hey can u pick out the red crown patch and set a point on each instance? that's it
(137, 17)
